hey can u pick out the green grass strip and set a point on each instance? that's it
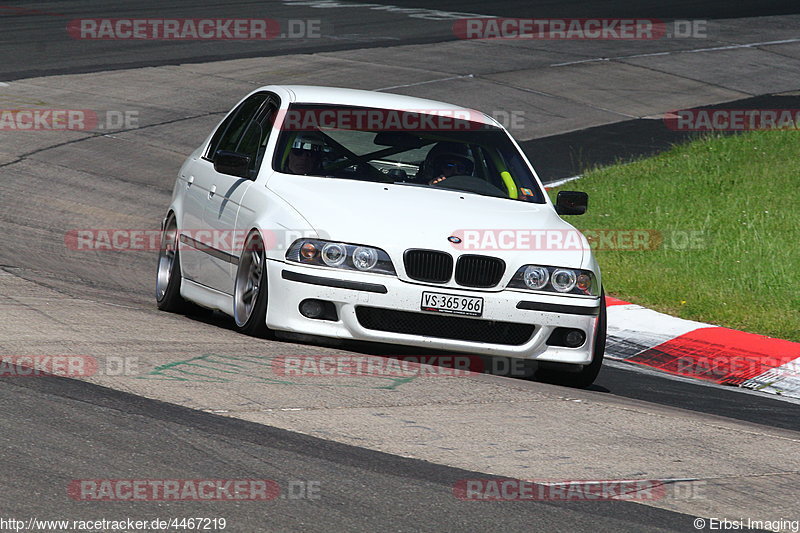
(728, 210)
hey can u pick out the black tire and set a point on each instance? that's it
(168, 274)
(250, 317)
(586, 376)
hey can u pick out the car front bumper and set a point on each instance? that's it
(356, 296)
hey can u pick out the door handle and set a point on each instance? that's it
(212, 191)
(189, 181)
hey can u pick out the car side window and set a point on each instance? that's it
(230, 132)
(253, 141)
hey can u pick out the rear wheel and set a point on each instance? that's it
(168, 277)
(250, 289)
(586, 376)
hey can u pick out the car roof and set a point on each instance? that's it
(312, 94)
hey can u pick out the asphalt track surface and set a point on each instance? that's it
(570, 154)
(360, 490)
(56, 430)
(34, 41)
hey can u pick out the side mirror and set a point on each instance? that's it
(232, 163)
(571, 202)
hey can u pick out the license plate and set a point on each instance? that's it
(452, 304)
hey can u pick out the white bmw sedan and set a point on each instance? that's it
(377, 217)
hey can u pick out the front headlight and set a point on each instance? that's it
(334, 254)
(340, 255)
(365, 258)
(535, 277)
(564, 280)
(555, 279)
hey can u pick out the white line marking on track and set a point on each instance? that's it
(425, 82)
(691, 51)
(412, 12)
(559, 183)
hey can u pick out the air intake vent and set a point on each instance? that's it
(444, 326)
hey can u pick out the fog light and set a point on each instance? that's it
(575, 338)
(318, 310)
(311, 308)
(568, 337)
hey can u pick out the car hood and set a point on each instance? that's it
(398, 217)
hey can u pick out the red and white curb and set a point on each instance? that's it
(703, 351)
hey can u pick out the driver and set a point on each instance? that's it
(305, 157)
(446, 159)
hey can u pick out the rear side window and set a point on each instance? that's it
(230, 132)
(253, 141)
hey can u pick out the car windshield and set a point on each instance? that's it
(413, 148)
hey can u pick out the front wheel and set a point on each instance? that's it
(168, 276)
(250, 289)
(586, 376)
